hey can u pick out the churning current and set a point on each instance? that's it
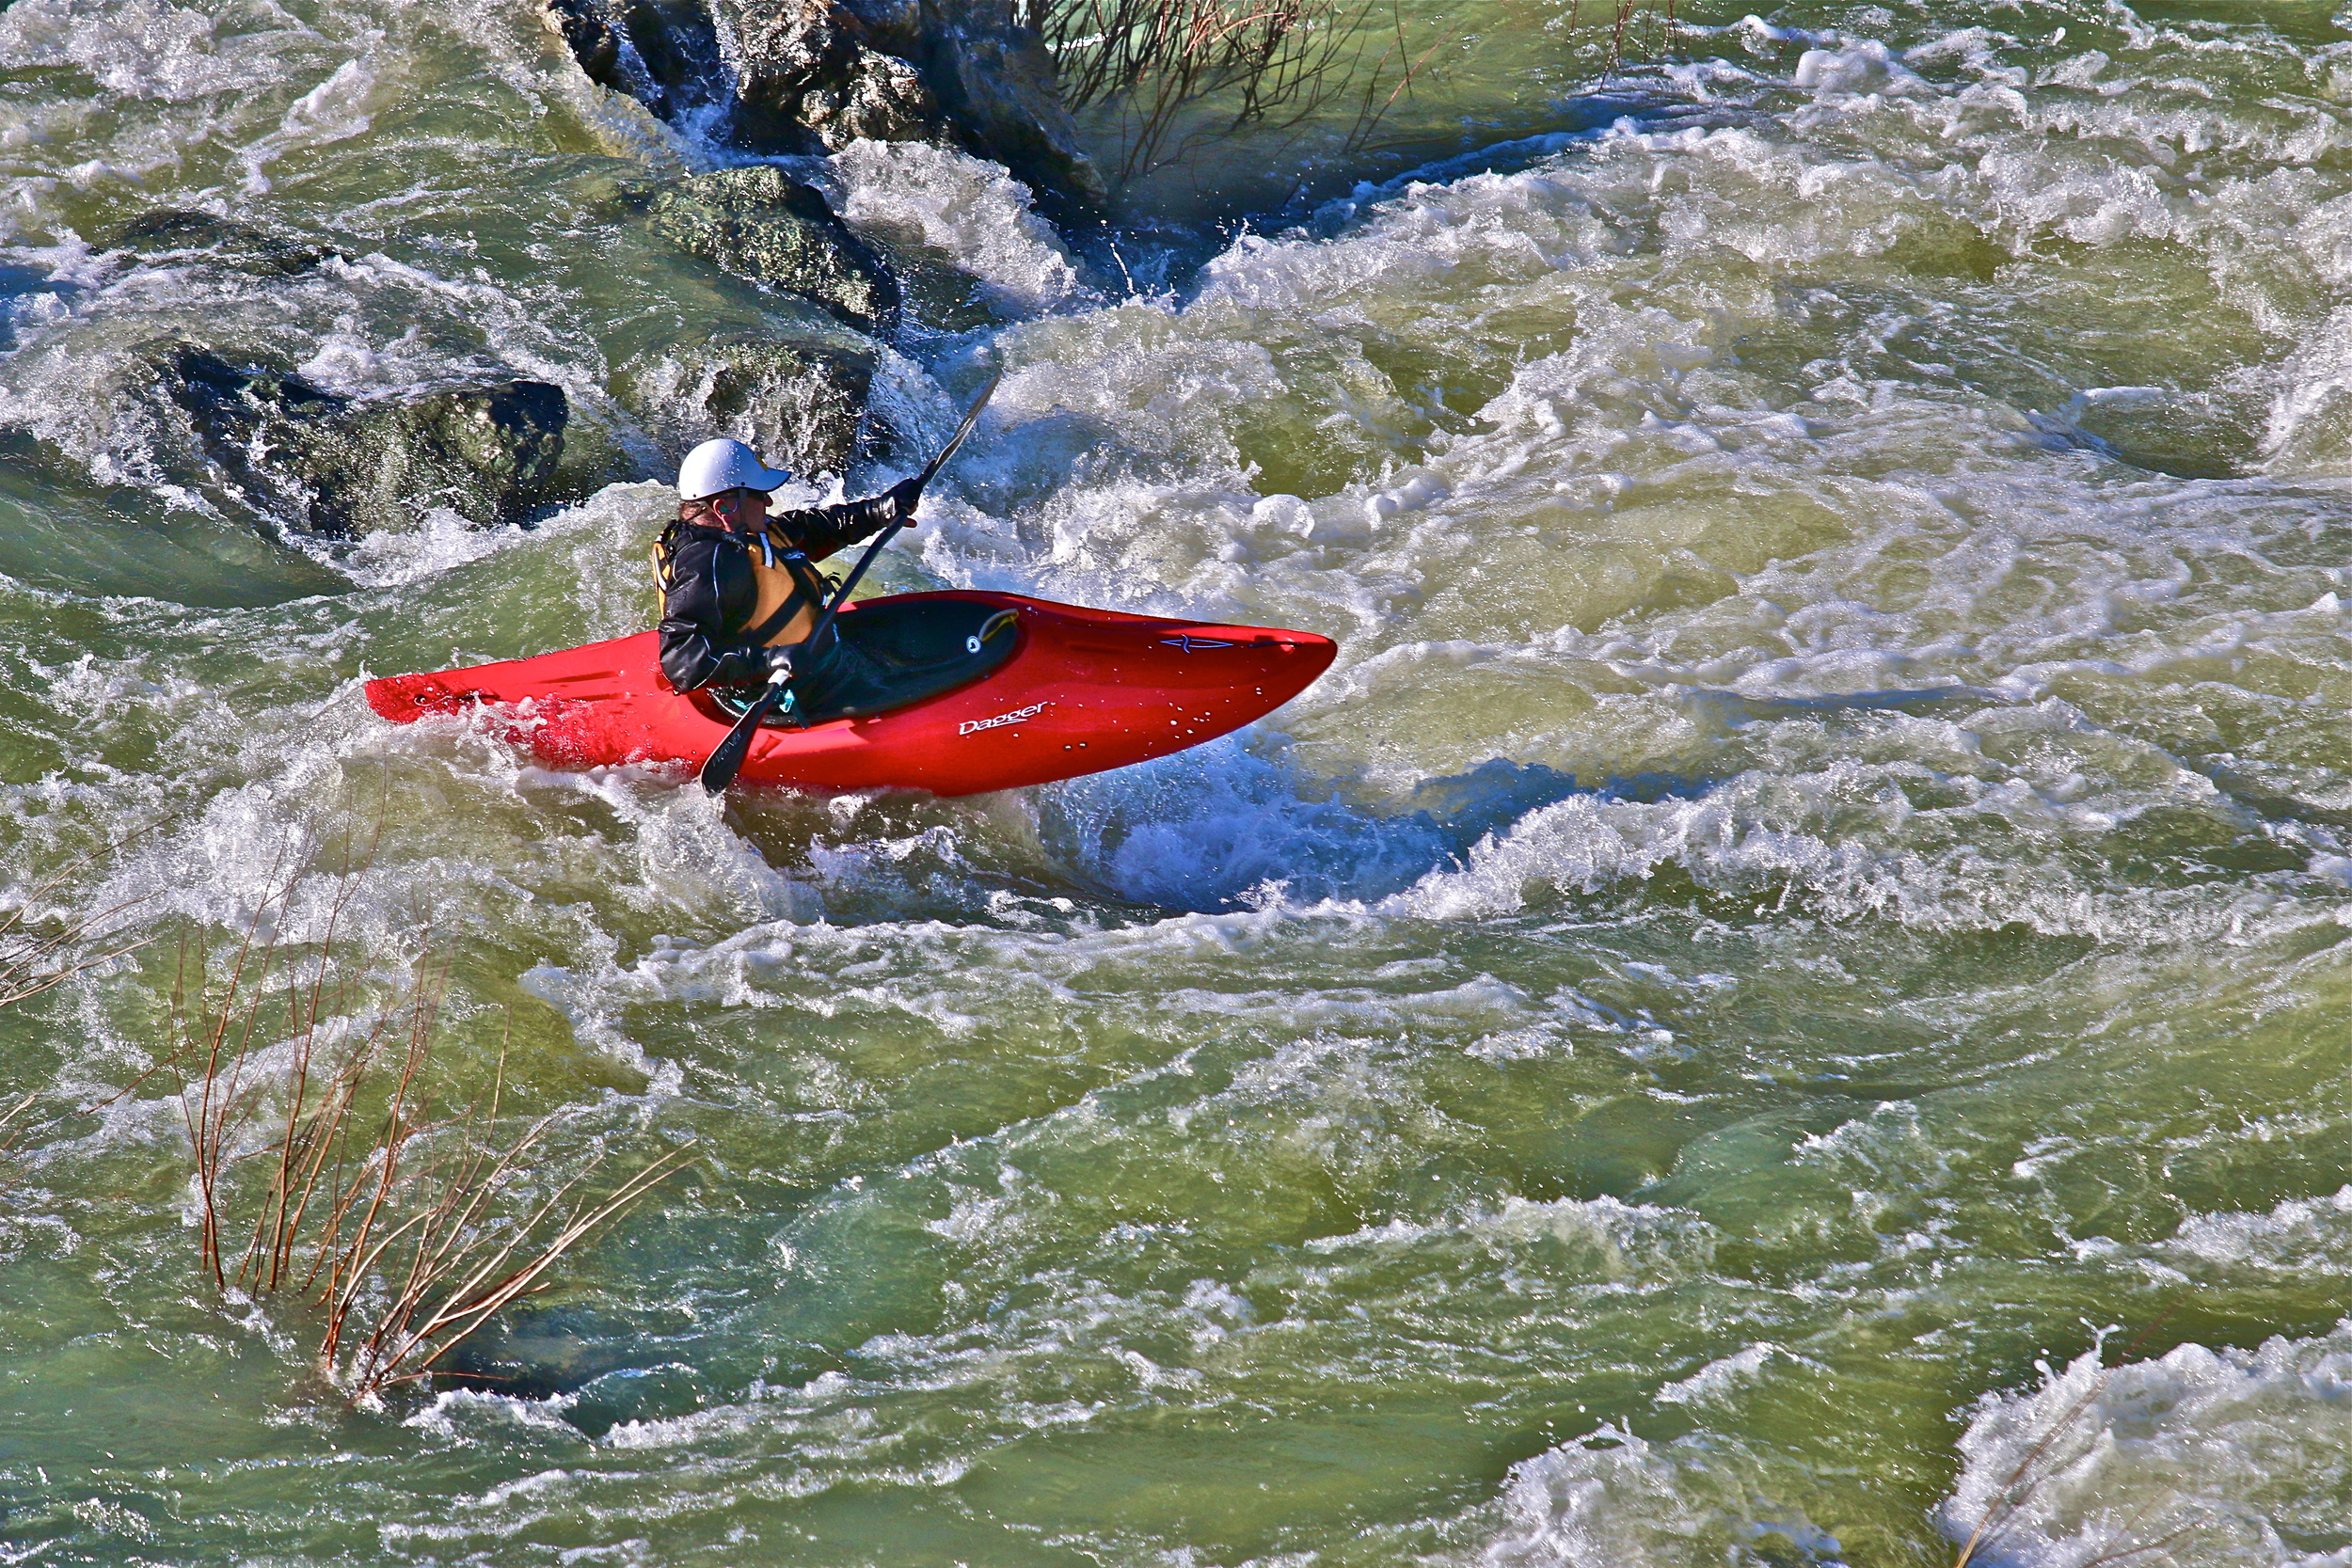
(1784, 1002)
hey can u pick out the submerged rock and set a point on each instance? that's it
(613, 1367)
(761, 225)
(339, 466)
(799, 401)
(811, 75)
(488, 453)
(170, 233)
(2187, 435)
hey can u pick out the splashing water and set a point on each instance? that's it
(1818, 884)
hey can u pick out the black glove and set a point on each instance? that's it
(902, 497)
(770, 660)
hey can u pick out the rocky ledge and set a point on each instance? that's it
(800, 402)
(806, 76)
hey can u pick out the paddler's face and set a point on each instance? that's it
(739, 508)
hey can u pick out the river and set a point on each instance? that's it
(1809, 918)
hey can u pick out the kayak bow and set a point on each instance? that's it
(1075, 691)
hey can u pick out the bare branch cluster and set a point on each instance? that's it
(37, 954)
(327, 1169)
(1275, 63)
(1181, 73)
(1621, 23)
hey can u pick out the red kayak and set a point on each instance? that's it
(970, 692)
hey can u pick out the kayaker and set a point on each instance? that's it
(740, 589)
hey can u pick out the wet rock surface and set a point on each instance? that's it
(174, 233)
(810, 76)
(663, 53)
(799, 401)
(340, 466)
(997, 82)
(762, 226)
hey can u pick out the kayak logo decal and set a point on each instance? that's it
(1189, 644)
(974, 726)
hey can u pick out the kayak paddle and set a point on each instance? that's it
(726, 759)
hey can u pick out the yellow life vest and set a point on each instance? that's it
(776, 575)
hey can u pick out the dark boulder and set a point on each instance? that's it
(594, 38)
(488, 453)
(342, 467)
(773, 230)
(663, 53)
(997, 82)
(809, 77)
(813, 75)
(172, 233)
(964, 74)
(798, 402)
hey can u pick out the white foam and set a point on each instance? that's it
(1611, 1242)
(336, 109)
(148, 49)
(1616, 1498)
(2299, 1238)
(2204, 1456)
(967, 209)
(1860, 66)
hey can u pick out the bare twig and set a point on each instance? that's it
(396, 1221)
(8, 1143)
(32, 962)
(2023, 1481)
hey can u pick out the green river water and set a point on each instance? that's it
(1817, 896)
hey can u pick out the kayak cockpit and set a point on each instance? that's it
(913, 650)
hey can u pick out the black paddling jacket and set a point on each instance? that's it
(711, 588)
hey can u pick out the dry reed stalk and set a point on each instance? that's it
(395, 1217)
(33, 961)
(8, 1144)
(2024, 1483)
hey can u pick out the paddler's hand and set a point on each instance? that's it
(902, 497)
(778, 662)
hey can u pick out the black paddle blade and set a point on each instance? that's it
(971, 418)
(727, 759)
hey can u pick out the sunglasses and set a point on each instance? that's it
(729, 504)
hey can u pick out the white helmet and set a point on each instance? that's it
(725, 465)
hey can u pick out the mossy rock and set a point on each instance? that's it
(344, 467)
(762, 226)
